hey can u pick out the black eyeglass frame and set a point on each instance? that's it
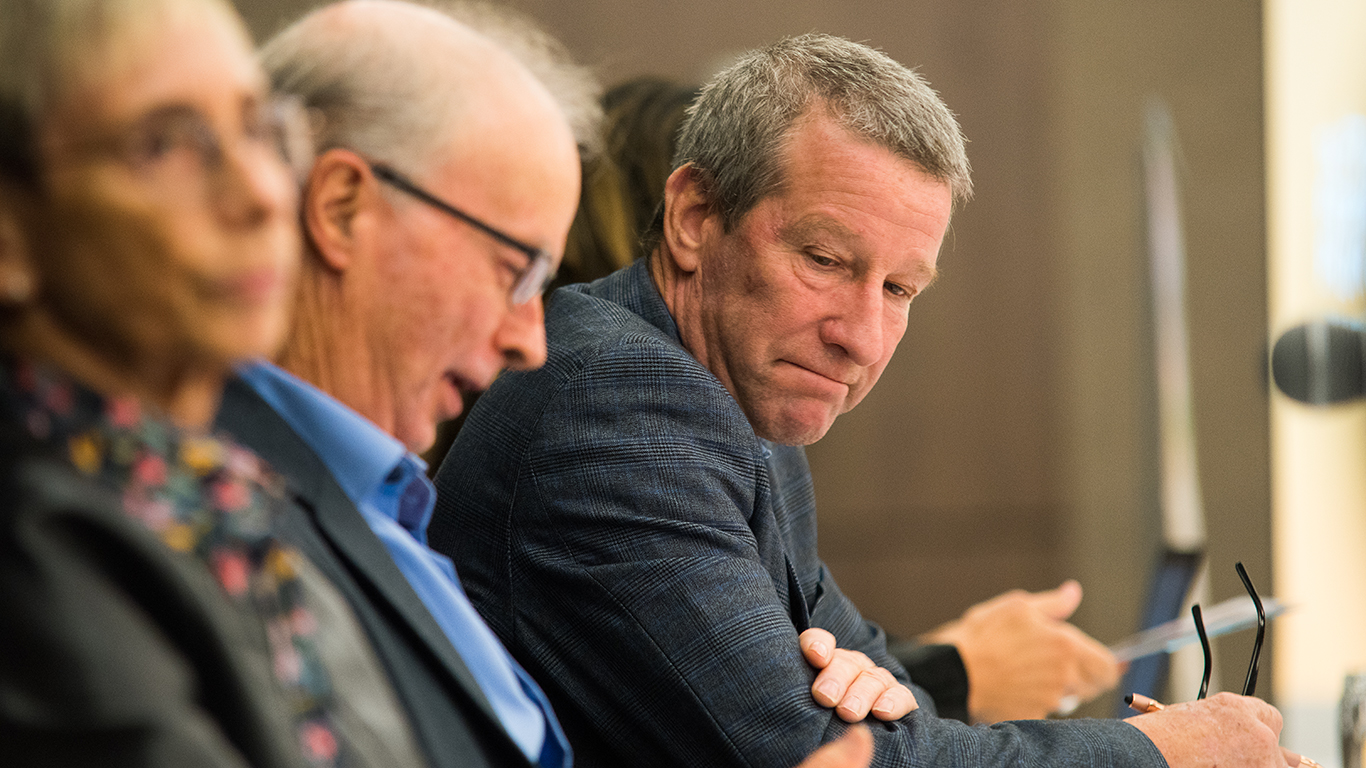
(1250, 683)
(531, 281)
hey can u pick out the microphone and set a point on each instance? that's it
(1321, 362)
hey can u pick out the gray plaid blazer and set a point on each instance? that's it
(651, 561)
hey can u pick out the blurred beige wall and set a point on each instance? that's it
(1316, 88)
(1011, 442)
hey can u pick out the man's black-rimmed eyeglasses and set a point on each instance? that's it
(1250, 683)
(531, 280)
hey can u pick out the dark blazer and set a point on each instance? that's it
(454, 723)
(651, 561)
(115, 650)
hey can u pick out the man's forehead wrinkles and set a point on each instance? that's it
(837, 206)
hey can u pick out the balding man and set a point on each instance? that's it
(435, 211)
(434, 215)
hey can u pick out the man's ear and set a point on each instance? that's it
(334, 198)
(687, 213)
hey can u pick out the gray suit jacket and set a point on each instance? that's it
(651, 561)
(453, 721)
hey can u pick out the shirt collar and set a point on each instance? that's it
(407, 496)
(362, 457)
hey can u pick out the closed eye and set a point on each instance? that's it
(510, 268)
(822, 261)
(899, 291)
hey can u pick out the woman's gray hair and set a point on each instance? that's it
(735, 132)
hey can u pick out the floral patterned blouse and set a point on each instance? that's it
(201, 495)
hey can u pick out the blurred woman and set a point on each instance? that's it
(147, 244)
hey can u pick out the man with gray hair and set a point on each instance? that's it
(636, 518)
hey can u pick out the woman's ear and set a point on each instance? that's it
(18, 278)
(335, 196)
(688, 213)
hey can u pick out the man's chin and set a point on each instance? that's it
(794, 429)
(418, 438)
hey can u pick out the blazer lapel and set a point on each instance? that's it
(256, 425)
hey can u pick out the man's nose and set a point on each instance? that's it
(855, 323)
(521, 336)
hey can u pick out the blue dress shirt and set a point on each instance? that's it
(390, 488)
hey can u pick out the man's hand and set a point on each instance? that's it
(850, 682)
(852, 750)
(1023, 659)
(1225, 729)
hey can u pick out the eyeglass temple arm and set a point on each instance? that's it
(1250, 684)
(398, 180)
(1204, 646)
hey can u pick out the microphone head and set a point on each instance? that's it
(1321, 362)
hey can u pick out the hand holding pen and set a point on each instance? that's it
(1144, 705)
(1251, 726)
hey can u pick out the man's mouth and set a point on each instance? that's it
(827, 378)
(456, 389)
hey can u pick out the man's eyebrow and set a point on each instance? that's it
(809, 227)
(928, 272)
(813, 227)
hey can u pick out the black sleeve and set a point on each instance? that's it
(939, 670)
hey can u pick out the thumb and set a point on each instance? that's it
(852, 750)
(1059, 603)
(818, 646)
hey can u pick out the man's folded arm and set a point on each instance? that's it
(642, 591)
